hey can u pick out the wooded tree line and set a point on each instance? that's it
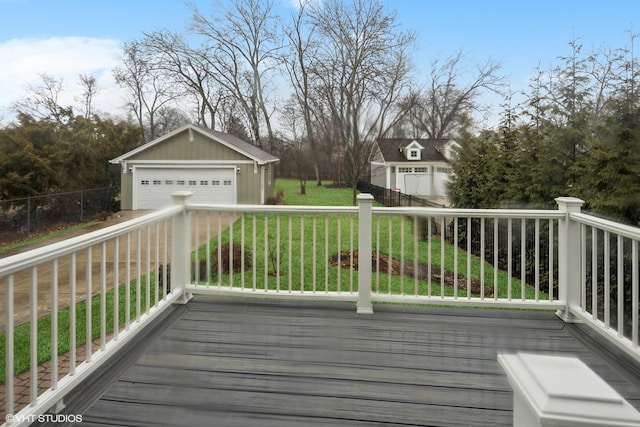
(576, 133)
(42, 156)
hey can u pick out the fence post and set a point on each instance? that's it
(180, 246)
(569, 253)
(364, 253)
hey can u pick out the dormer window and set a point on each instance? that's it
(413, 151)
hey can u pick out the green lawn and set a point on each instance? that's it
(22, 333)
(297, 239)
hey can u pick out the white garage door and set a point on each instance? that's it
(154, 186)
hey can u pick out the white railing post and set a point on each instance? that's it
(180, 247)
(364, 253)
(569, 253)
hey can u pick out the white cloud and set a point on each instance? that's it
(63, 58)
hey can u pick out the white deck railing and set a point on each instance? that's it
(365, 254)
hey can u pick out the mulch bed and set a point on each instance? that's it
(395, 266)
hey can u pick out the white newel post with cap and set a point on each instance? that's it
(365, 202)
(569, 250)
(180, 246)
(555, 391)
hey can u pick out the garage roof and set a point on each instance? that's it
(251, 151)
(391, 149)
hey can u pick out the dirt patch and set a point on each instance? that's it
(394, 266)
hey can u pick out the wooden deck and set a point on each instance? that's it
(244, 362)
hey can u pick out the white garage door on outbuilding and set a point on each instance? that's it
(217, 168)
(154, 186)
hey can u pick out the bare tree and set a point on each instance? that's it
(149, 88)
(186, 65)
(241, 46)
(362, 69)
(446, 103)
(295, 145)
(42, 101)
(90, 90)
(299, 61)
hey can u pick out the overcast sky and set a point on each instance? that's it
(66, 38)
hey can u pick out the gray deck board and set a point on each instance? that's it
(244, 362)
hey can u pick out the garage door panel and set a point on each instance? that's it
(154, 186)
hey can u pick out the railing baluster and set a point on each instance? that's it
(148, 270)
(583, 267)
(156, 267)
(33, 344)
(326, 253)
(415, 256)
(54, 324)
(551, 298)
(196, 258)
(620, 281)
(254, 254)
(468, 256)
(208, 249)
(339, 254)
(523, 258)
(231, 251)
(88, 303)
(266, 253)
(594, 273)
(496, 245)
(455, 257)
(8, 337)
(402, 220)
(509, 259)
(116, 287)
(277, 252)
(429, 261)
(242, 253)
(165, 261)
(442, 236)
(301, 253)
(72, 318)
(315, 261)
(536, 261)
(607, 281)
(138, 273)
(351, 254)
(219, 260)
(377, 254)
(103, 295)
(634, 293)
(127, 286)
(482, 262)
(389, 256)
(290, 254)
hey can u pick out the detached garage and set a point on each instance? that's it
(216, 167)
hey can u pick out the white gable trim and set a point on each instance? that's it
(191, 129)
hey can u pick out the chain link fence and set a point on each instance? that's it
(20, 218)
